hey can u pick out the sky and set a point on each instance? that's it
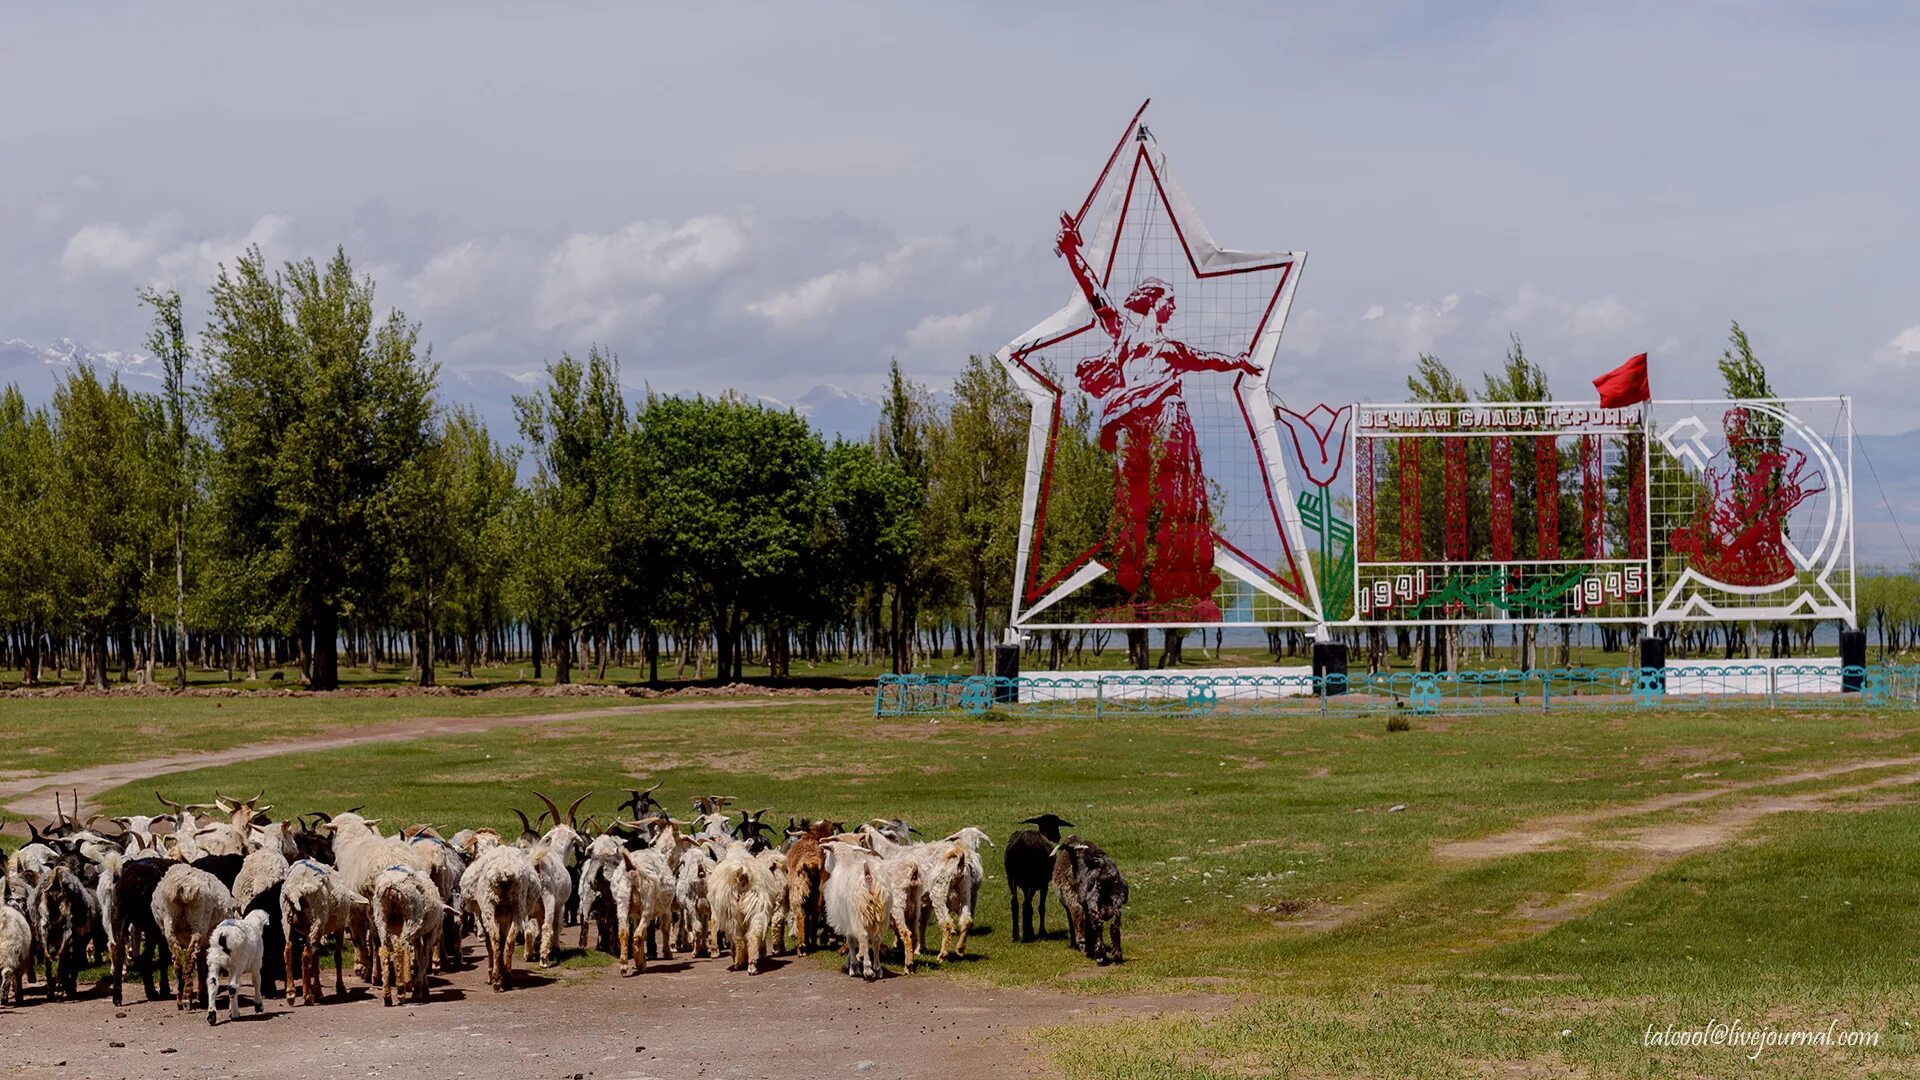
(774, 198)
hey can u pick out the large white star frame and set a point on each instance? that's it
(1156, 489)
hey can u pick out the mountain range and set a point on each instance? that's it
(1886, 467)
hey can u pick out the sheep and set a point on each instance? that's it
(953, 875)
(1101, 891)
(1029, 865)
(806, 866)
(186, 907)
(741, 890)
(315, 902)
(858, 903)
(501, 891)
(126, 911)
(407, 917)
(16, 949)
(64, 916)
(236, 947)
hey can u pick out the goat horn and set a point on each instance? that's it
(166, 802)
(654, 788)
(551, 809)
(525, 825)
(574, 808)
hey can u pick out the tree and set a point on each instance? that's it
(108, 499)
(977, 464)
(168, 343)
(576, 428)
(315, 412)
(30, 529)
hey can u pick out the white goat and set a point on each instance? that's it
(858, 903)
(648, 907)
(953, 875)
(407, 917)
(692, 903)
(315, 902)
(502, 892)
(741, 890)
(187, 905)
(361, 853)
(236, 947)
(16, 951)
(260, 871)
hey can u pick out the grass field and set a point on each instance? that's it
(1501, 895)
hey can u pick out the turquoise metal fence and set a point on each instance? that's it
(1798, 685)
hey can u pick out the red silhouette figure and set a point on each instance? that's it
(1738, 535)
(1159, 488)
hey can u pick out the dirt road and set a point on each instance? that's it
(684, 1018)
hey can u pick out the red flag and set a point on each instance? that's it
(1624, 385)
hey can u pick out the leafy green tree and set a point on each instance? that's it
(315, 411)
(167, 341)
(30, 527)
(109, 499)
(978, 462)
(576, 428)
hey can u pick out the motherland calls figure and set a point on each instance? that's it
(1161, 531)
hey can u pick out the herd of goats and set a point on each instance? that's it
(215, 892)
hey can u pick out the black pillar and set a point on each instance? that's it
(1330, 658)
(1006, 673)
(1853, 654)
(1653, 657)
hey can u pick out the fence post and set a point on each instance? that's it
(1546, 691)
(1321, 680)
(1773, 685)
(1099, 696)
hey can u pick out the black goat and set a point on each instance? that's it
(224, 867)
(134, 926)
(1029, 862)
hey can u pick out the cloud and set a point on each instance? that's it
(197, 263)
(1906, 342)
(815, 299)
(936, 332)
(1373, 313)
(587, 286)
(107, 248)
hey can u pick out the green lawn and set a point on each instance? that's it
(1267, 863)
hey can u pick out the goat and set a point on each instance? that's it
(502, 892)
(648, 914)
(693, 902)
(1101, 894)
(906, 869)
(188, 904)
(858, 904)
(602, 890)
(953, 876)
(315, 902)
(806, 867)
(16, 951)
(741, 891)
(407, 918)
(1029, 865)
(556, 888)
(775, 861)
(362, 853)
(126, 910)
(64, 916)
(236, 947)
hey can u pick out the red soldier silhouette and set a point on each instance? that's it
(1738, 535)
(1159, 488)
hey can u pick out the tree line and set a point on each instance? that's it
(297, 493)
